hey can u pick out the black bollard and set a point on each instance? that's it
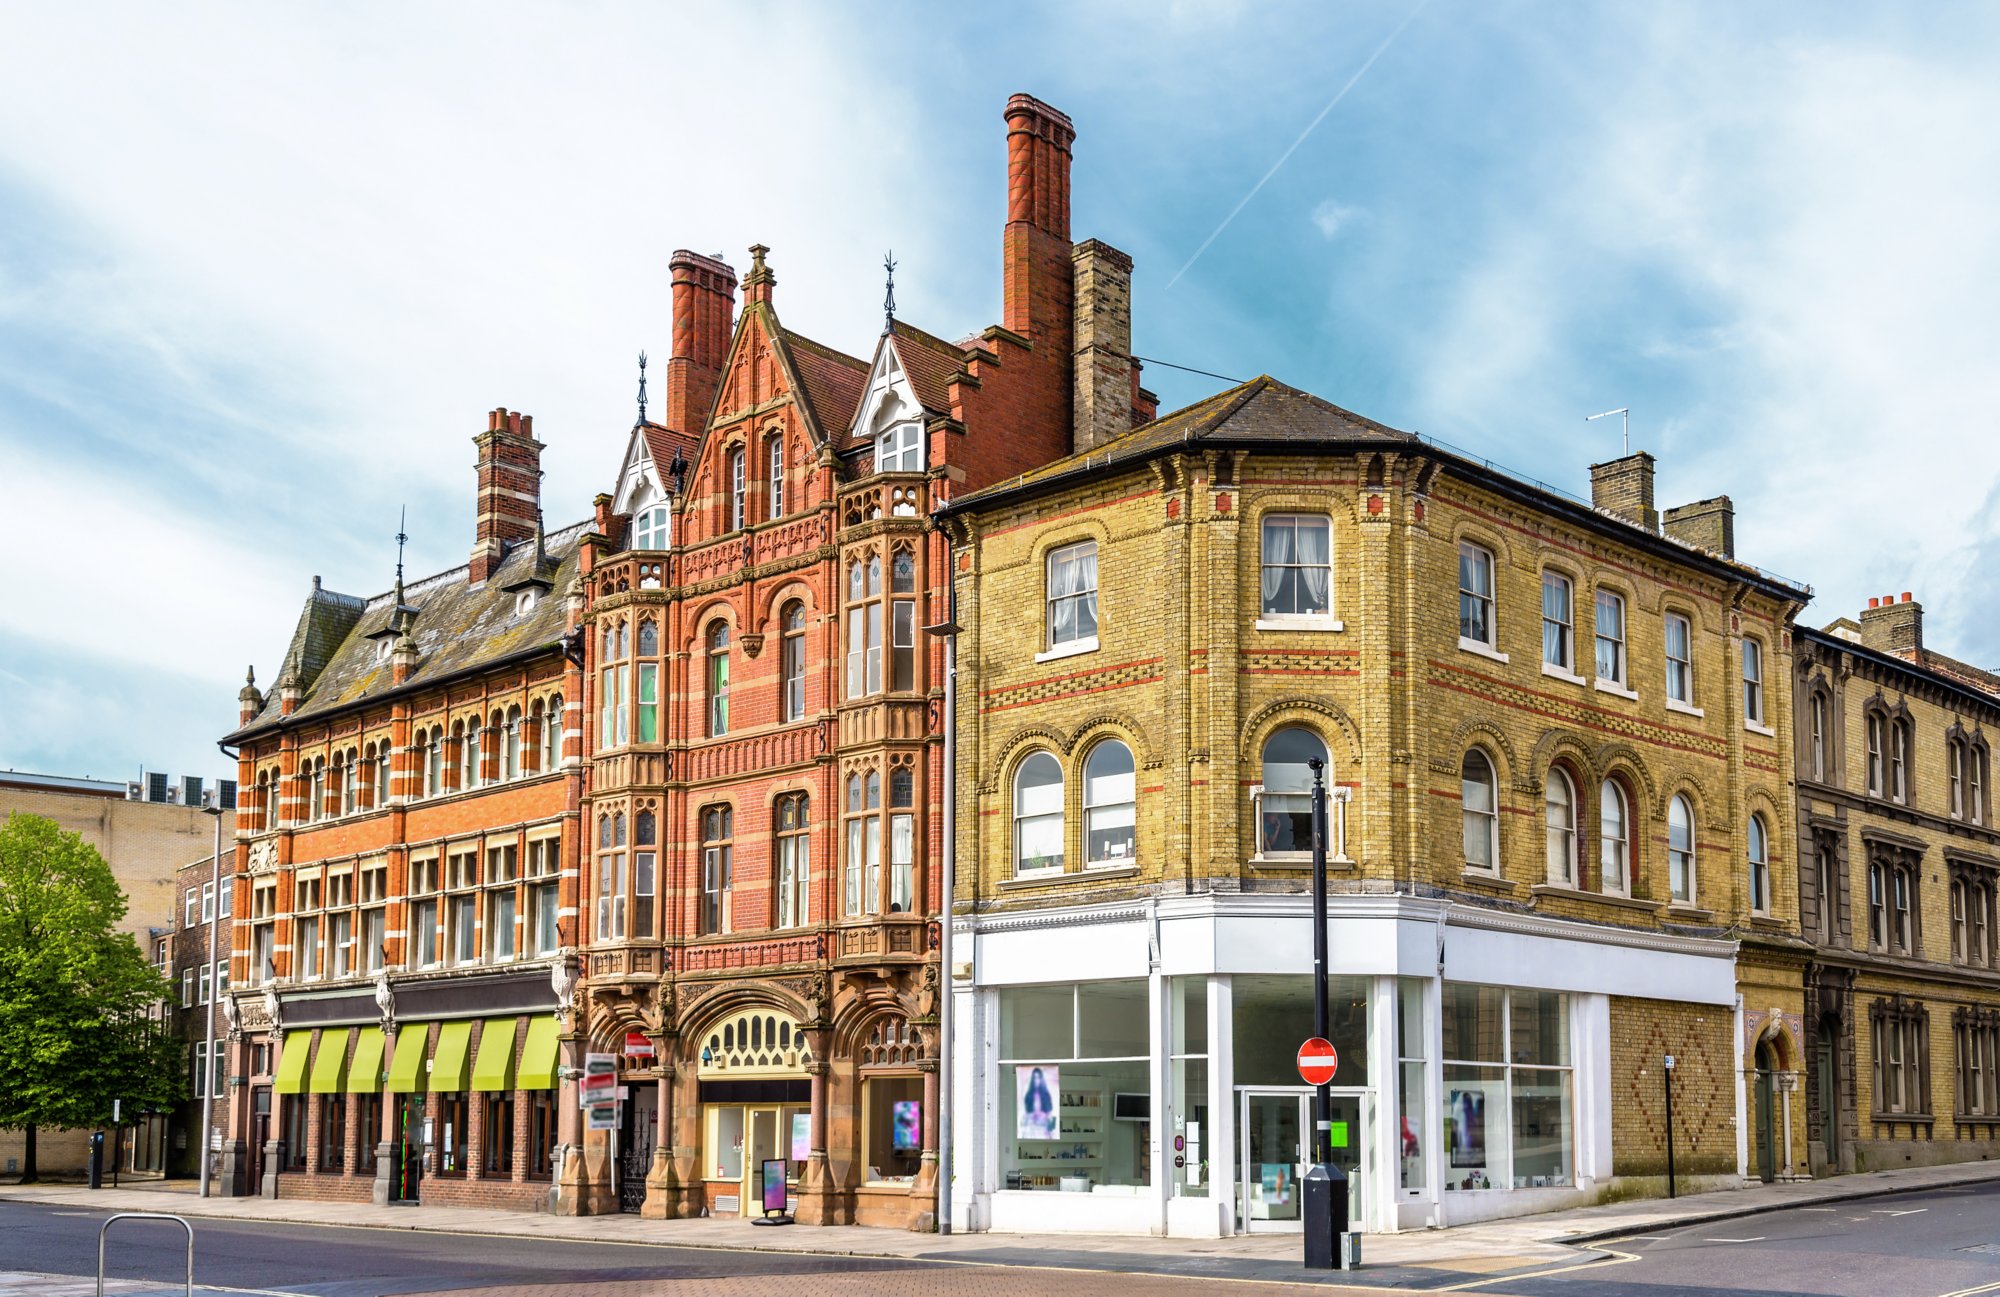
(1325, 1206)
(97, 1159)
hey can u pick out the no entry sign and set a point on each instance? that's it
(1318, 1061)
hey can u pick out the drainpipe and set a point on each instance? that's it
(946, 982)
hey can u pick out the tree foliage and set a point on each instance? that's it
(74, 994)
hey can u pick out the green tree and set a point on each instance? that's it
(74, 994)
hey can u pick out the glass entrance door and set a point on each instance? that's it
(763, 1146)
(1273, 1133)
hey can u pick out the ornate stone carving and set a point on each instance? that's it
(263, 856)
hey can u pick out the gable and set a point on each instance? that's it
(887, 400)
(640, 481)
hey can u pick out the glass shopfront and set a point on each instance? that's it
(1075, 1087)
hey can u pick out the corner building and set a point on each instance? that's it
(404, 921)
(764, 714)
(1902, 865)
(1560, 822)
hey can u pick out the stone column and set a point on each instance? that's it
(568, 1197)
(923, 1216)
(388, 1149)
(662, 1181)
(817, 1191)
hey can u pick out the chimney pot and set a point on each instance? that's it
(1874, 603)
(1906, 596)
(1894, 626)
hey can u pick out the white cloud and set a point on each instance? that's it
(1331, 215)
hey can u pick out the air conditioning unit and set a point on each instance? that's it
(134, 791)
(211, 799)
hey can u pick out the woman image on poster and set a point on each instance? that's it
(1039, 1088)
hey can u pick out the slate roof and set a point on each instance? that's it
(833, 381)
(1262, 411)
(930, 364)
(458, 627)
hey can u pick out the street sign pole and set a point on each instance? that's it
(1326, 1186)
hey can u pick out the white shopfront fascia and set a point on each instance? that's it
(1220, 935)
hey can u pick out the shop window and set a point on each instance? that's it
(367, 1130)
(333, 1132)
(541, 1134)
(1508, 1115)
(1038, 815)
(297, 1108)
(1189, 1133)
(497, 1133)
(1075, 1087)
(1284, 798)
(451, 1134)
(893, 1118)
(1109, 797)
(1479, 804)
(1412, 1094)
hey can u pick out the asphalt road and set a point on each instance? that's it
(1911, 1245)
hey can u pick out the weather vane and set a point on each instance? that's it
(401, 538)
(889, 293)
(642, 387)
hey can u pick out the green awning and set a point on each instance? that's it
(364, 1070)
(291, 1078)
(329, 1071)
(539, 1055)
(448, 1059)
(406, 1066)
(493, 1067)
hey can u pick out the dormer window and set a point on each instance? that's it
(649, 528)
(382, 647)
(900, 449)
(524, 602)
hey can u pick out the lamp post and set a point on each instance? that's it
(1326, 1186)
(948, 630)
(207, 1082)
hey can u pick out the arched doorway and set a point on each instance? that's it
(1764, 1129)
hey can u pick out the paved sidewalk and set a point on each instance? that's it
(1491, 1248)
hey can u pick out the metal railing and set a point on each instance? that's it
(105, 1230)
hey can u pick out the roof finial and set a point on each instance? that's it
(889, 293)
(402, 538)
(642, 387)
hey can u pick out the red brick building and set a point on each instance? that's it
(405, 909)
(765, 712)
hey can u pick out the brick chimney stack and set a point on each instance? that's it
(1624, 489)
(704, 307)
(1035, 251)
(1709, 524)
(1892, 625)
(510, 488)
(1105, 384)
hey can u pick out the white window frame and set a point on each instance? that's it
(1472, 599)
(1757, 842)
(1559, 652)
(776, 504)
(1684, 695)
(652, 528)
(1069, 554)
(739, 488)
(1753, 684)
(1060, 814)
(1321, 618)
(1561, 839)
(1490, 817)
(1681, 880)
(900, 448)
(1623, 841)
(1619, 672)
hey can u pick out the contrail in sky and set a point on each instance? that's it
(1286, 155)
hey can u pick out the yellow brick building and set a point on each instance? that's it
(1559, 820)
(1902, 863)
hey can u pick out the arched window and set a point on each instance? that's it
(1878, 745)
(650, 529)
(1760, 866)
(792, 660)
(552, 729)
(382, 765)
(1479, 799)
(1284, 811)
(1818, 736)
(262, 819)
(1613, 840)
(1038, 814)
(469, 757)
(794, 853)
(513, 770)
(1680, 850)
(434, 763)
(343, 782)
(718, 679)
(776, 455)
(738, 484)
(1559, 803)
(1109, 794)
(649, 638)
(1899, 760)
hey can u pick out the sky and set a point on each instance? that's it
(263, 270)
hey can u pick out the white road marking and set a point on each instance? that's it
(1973, 1292)
(1910, 1211)
(1611, 1257)
(1758, 1239)
(1819, 1209)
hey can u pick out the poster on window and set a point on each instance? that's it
(802, 1137)
(1466, 1114)
(1040, 1088)
(908, 1131)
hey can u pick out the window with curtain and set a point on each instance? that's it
(1680, 658)
(792, 660)
(1877, 745)
(1072, 595)
(1760, 865)
(1558, 647)
(1284, 811)
(793, 824)
(1298, 566)
(1899, 760)
(902, 838)
(1109, 804)
(718, 680)
(902, 620)
(1680, 850)
(1475, 594)
(1479, 801)
(864, 626)
(645, 871)
(717, 860)
(1614, 840)
(861, 872)
(1038, 814)
(1611, 637)
(611, 834)
(1559, 805)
